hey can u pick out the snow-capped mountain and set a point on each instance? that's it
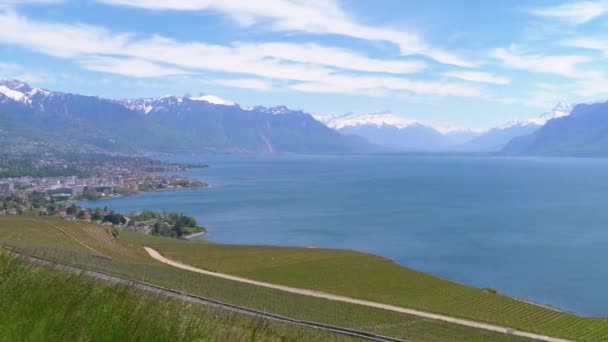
(147, 105)
(372, 119)
(397, 132)
(164, 124)
(495, 139)
(560, 110)
(19, 91)
(213, 99)
(583, 132)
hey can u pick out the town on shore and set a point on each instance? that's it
(49, 184)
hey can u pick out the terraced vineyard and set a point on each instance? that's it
(128, 259)
(373, 278)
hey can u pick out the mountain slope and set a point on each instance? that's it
(495, 139)
(165, 124)
(583, 133)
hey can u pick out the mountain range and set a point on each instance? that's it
(208, 123)
(397, 133)
(164, 124)
(582, 133)
(496, 138)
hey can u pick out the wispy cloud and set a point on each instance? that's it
(577, 13)
(129, 67)
(329, 56)
(562, 65)
(245, 83)
(312, 16)
(99, 49)
(368, 85)
(590, 43)
(480, 77)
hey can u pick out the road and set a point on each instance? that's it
(463, 322)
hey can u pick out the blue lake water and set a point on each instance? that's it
(534, 228)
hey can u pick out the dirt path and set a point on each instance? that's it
(463, 322)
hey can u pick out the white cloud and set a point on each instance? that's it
(480, 77)
(246, 83)
(334, 57)
(59, 40)
(311, 16)
(575, 12)
(367, 85)
(30, 2)
(599, 44)
(96, 48)
(562, 65)
(129, 67)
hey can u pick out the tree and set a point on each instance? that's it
(72, 210)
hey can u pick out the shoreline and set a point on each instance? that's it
(195, 235)
(139, 193)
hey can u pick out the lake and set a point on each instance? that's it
(534, 228)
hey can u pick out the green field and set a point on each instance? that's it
(308, 268)
(38, 303)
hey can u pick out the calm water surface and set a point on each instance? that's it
(531, 228)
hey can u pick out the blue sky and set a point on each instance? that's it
(472, 64)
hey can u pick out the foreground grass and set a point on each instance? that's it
(126, 257)
(38, 303)
(377, 279)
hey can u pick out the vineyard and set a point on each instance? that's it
(93, 246)
(69, 307)
(373, 278)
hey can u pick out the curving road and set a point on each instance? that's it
(463, 322)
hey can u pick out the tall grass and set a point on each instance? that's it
(38, 303)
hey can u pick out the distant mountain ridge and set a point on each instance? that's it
(396, 132)
(165, 124)
(582, 133)
(496, 138)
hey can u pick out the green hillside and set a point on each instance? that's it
(44, 304)
(93, 246)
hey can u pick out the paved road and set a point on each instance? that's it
(463, 322)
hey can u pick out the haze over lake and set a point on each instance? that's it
(534, 228)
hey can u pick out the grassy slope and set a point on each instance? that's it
(41, 304)
(378, 279)
(40, 237)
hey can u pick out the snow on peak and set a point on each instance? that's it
(375, 119)
(560, 110)
(20, 91)
(13, 94)
(16, 85)
(213, 100)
